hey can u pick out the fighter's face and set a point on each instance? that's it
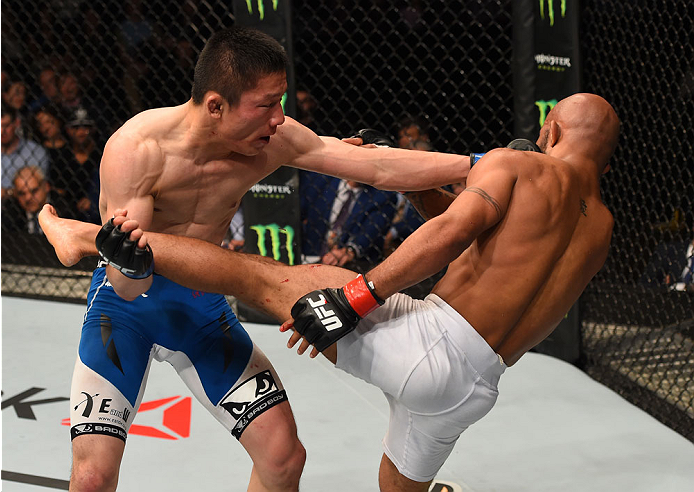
(255, 118)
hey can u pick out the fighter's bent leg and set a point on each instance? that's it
(95, 463)
(278, 456)
(260, 282)
(71, 239)
(391, 480)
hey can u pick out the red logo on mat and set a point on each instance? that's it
(175, 417)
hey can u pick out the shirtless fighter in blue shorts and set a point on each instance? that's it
(521, 243)
(183, 170)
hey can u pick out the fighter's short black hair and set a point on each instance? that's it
(234, 60)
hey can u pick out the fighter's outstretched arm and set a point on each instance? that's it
(384, 168)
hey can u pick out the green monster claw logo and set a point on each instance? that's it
(261, 7)
(545, 107)
(275, 231)
(550, 10)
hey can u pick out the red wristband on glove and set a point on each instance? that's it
(361, 296)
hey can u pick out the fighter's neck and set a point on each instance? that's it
(199, 137)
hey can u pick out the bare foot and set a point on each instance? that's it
(71, 239)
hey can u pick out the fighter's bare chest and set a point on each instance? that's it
(194, 193)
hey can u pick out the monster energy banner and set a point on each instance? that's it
(271, 208)
(271, 222)
(546, 59)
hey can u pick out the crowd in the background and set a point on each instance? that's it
(72, 73)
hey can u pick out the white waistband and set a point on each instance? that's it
(488, 363)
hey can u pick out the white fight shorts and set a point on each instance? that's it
(438, 374)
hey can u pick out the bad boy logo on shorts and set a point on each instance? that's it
(102, 429)
(251, 398)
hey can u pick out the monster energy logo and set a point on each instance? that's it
(545, 107)
(261, 7)
(275, 231)
(550, 10)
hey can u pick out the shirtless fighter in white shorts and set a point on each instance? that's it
(521, 243)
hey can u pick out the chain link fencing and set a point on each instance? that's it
(432, 75)
(638, 314)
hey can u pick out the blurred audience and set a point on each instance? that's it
(17, 152)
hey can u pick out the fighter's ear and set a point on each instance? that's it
(554, 133)
(213, 103)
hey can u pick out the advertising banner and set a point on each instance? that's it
(546, 60)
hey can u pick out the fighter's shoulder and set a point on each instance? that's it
(294, 138)
(292, 129)
(133, 142)
(501, 160)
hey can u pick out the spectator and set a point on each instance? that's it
(70, 92)
(102, 73)
(80, 177)
(413, 133)
(136, 29)
(18, 152)
(305, 110)
(671, 266)
(49, 128)
(235, 237)
(5, 78)
(14, 95)
(30, 193)
(48, 86)
(344, 222)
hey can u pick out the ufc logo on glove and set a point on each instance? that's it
(324, 316)
(327, 317)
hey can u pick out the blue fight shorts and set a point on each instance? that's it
(196, 332)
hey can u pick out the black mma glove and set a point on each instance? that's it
(118, 250)
(517, 144)
(371, 136)
(326, 315)
(523, 144)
